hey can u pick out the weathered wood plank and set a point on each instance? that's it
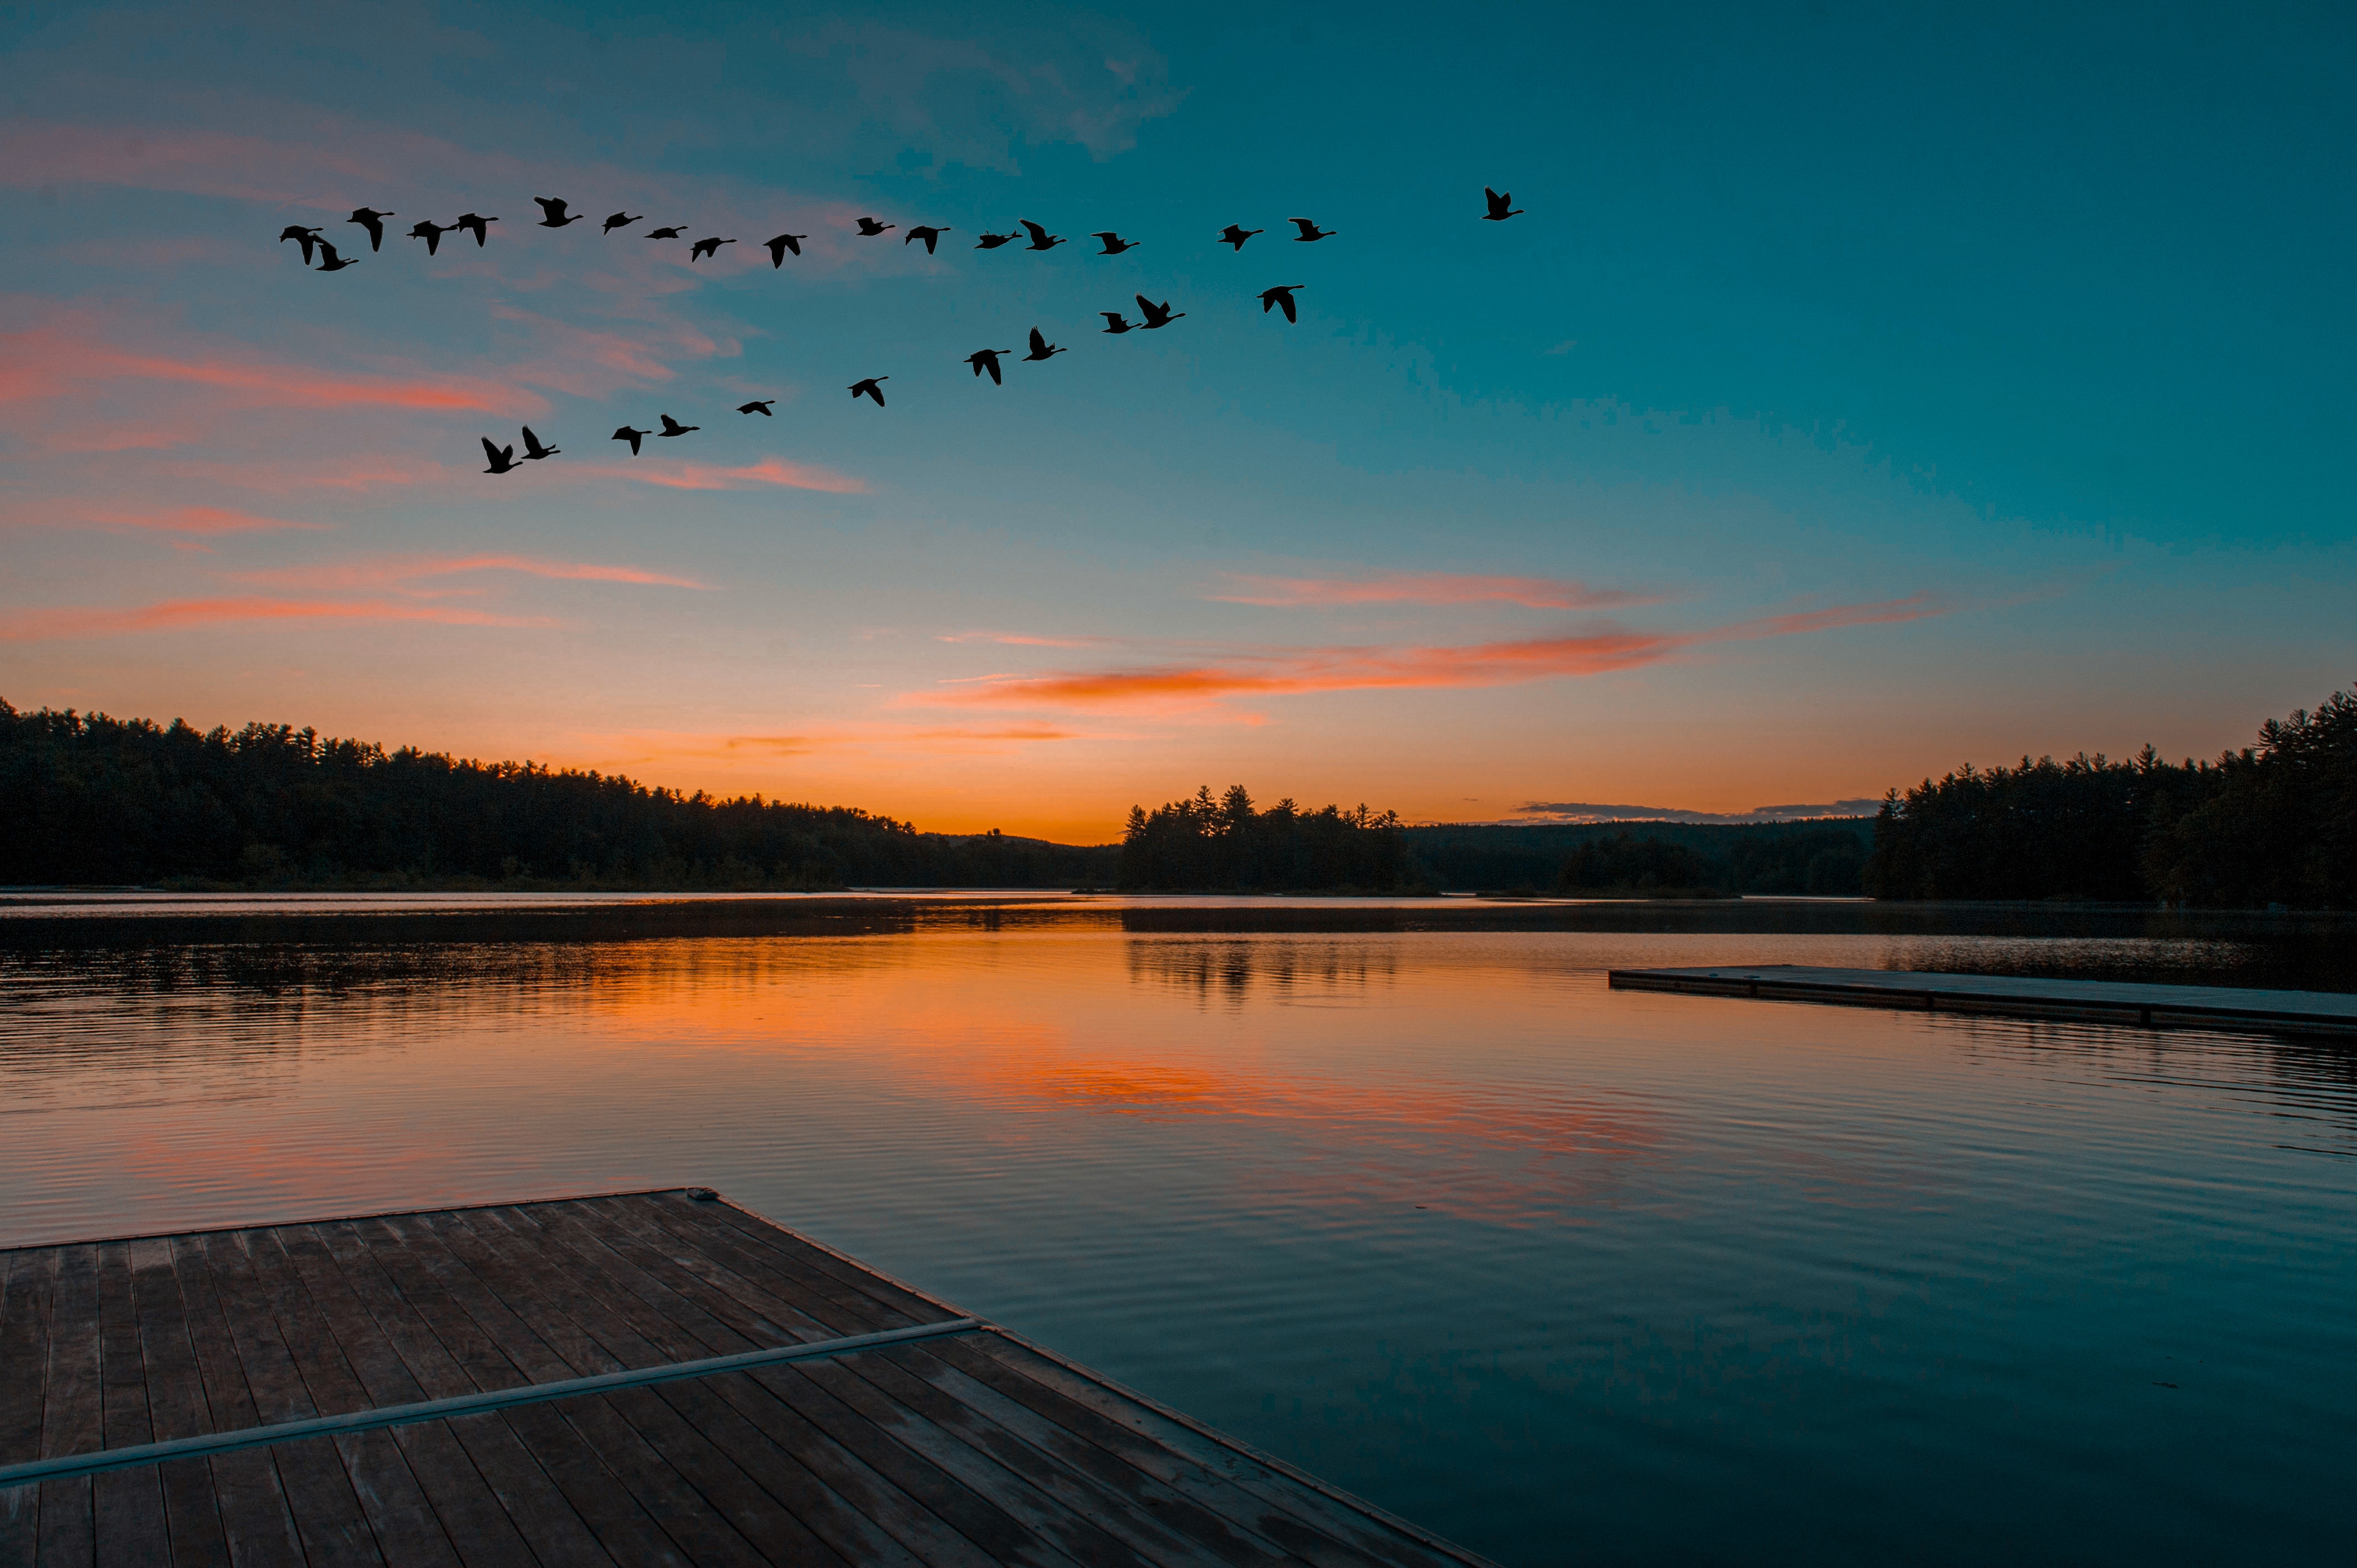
(607, 1519)
(1304, 1521)
(505, 1290)
(127, 1505)
(27, 1294)
(176, 1406)
(256, 1522)
(72, 1417)
(535, 1508)
(403, 1523)
(863, 1517)
(328, 1514)
(469, 1515)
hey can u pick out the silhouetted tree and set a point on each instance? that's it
(86, 798)
(1624, 865)
(1202, 844)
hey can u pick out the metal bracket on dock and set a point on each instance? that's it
(72, 1466)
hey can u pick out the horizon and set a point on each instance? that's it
(1820, 425)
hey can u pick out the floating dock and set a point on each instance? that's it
(2101, 1001)
(639, 1378)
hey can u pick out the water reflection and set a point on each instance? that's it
(1435, 1213)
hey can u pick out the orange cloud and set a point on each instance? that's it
(1427, 588)
(1296, 670)
(36, 626)
(377, 573)
(695, 476)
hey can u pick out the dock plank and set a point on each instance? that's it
(127, 1506)
(962, 1449)
(73, 1419)
(256, 1523)
(176, 1407)
(27, 1291)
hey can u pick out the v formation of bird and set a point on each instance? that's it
(555, 213)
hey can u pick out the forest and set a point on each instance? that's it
(92, 800)
(1202, 844)
(2274, 823)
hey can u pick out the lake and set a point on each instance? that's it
(1559, 1272)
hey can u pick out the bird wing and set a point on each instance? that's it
(326, 250)
(490, 453)
(1039, 343)
(1304, 224)
(994, 378)
(530, 442)
(1287, 300)
(1038, 233)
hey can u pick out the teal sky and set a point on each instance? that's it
(1859, 393)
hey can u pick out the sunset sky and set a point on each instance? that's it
(1859, 393)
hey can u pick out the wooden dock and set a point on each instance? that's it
(639, 1378)
(2099, 1001)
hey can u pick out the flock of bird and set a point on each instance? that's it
(555, 213)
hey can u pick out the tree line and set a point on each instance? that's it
(1202, 844)
(89, 799)
(2271, 823)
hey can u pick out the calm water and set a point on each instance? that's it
(1562, 1273)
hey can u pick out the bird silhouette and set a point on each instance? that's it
(759, 405)
(369, 219)
(1040, 239)
(503, 458)
(869, 388)
(928, 233)
(1234, 234)
(1114, 321)
(552, 214)
(619, 220)
(331, 263)
(1156, 315)
(781, 245)
(990, 241)
(1114, 243)
(478, 226)
(425, 228)
(632, 436)
(533, 450)
(988, 360)
(1040, 348)
(1280, 298)
(703, 248)
(1308, 231)
(869, 227)
(1502, 207)
(671, 233)
(674, 427)
(306, 237)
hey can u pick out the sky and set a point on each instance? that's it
(1861, 392)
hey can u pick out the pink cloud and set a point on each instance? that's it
(46, 362)
(354, 472)
(1016, 639)
(37, 626)
(1293, 672)
(386, 573)
(695, 476)
(1427, 588)
(198, 519)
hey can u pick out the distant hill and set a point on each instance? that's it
(1823, 858)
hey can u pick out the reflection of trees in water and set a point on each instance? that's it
(220, 1004)
(1233, 968)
